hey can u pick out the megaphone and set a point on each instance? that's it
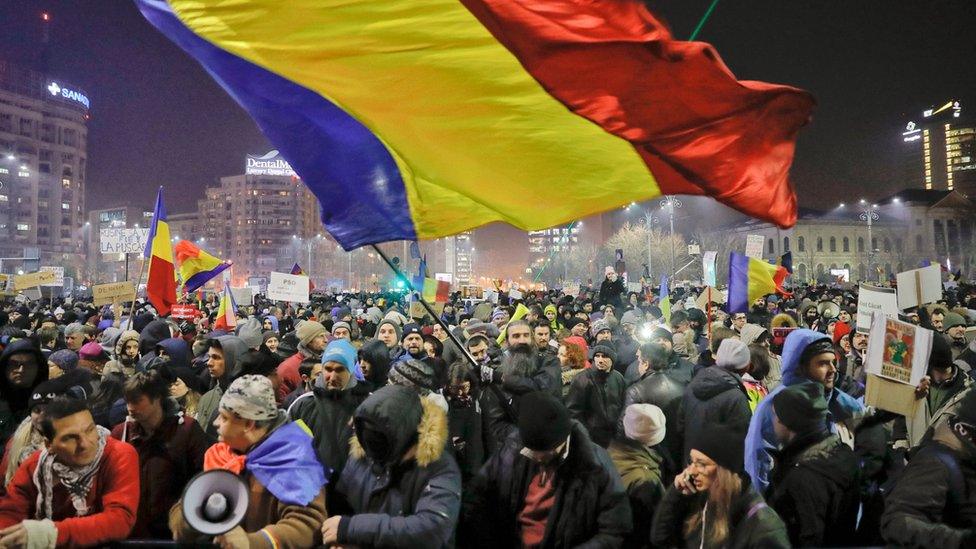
(828, 309)
(215, 501)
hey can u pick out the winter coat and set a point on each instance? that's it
(151, 335)
(761, 438)
(626, 352)
(610, 292)
(413, 503)
(14, 400)
(714, 396)
(596, 400)
(328, 414)
(659, 387)
(591, 508)
(931, 505)
(815, 490)
(234, 350)
(112, 501)
(467, 442)
(752, 524)
(499, 414)
(168, 459)
(640, 470)
(377, 354)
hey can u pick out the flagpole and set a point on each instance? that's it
(430, 310)
(135, 293)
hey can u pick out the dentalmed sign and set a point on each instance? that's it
(271, 163)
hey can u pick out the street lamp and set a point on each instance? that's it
(670, 203)
(869, 215)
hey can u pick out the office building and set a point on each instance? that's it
(940, 150)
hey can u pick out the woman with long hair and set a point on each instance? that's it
(712, 504)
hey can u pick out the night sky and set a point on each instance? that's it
(157, 118)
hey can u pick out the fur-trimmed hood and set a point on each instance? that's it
(406, 420)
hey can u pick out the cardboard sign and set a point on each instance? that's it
(32, 280)
(418, 311)
(754, 246)
(58, 275)
(288, 287)
(103, 294)
(919, 286)
(898, 351)
(716, 296)
(123, 241)
(184, 312)
(872, 298)
(890, 395)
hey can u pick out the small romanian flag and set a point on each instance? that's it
(297, 270)
(750, 279)
(436, 291)
(197, 267)
(665, 295)
(227, 312)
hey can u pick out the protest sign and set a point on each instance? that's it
(122, 241)
(754, 246)
(58, 275)
(709, 294)
(6, 285)
(708, 268)
(184, 312)
(635, 287)
(491, 295)
(103, 294)
(471, 292)
(242, 296)
(571, 289)
(873, 298)
(892, 396)
(418, 311)
(514, 294)
(288, 287)
(32, 280)
(898, 350)
(919, 286)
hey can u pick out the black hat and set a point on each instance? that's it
(543, 421)
(941, 356)
(411, 329)
(802, 408)
(608, 350)
(816, 347)
(966, 413)
(722, 443)
(662, 333)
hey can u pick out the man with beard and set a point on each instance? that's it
(954, 327)
(312, 338)
(758, 314)
(329, 406)
(412, 342)
(546, 375)
(855, 361)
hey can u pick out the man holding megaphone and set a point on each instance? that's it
(284, 504)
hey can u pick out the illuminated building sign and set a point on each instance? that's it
(269, 164)
(69, 94)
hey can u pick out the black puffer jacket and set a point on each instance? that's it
(591, 507)
(814, 488)
(715, 395)
(927, 508)
(596, 400)
(662, 390)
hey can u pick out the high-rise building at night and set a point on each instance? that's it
(43, 155)
(940, 150)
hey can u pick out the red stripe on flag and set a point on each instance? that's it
(161, 285)
(699, 130)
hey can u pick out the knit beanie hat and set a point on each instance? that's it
(308, 330)
(599, 326)
(952, 320)
(941, 355)
(396, 327)
(412, 373)
(819, 346)
(411, 329)
(341, 324)
(66, 359)
(644, 423)
(268, 335)
(732, 355)
(605, 349)
(722, 443)
(250, 333)
(841, 329)
(543, 421)
(802, 408)
(91, 351)
(250, 397)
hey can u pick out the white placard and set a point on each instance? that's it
(754, 246)
(841, 275)
(571, 289)
(708, 268)
(636, 287)
(242, 296)
(58, 275)
(514, 294)
(288, 287)
(123, 241)
(929, 289)
(871, 299)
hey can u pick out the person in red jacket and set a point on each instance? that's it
(81, 490)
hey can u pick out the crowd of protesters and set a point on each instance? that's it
(556, 420)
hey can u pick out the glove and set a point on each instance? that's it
(487, 373)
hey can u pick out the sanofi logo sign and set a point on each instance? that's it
(69, 94)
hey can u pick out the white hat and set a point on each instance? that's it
(644, 423)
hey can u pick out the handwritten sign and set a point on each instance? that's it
(184, 312)
(32, 280)
(122, 241)
(754, 246)
(109, 293)
(288, 287)
(871, 299)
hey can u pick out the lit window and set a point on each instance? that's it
(65, 206)
(4, 171)
(23, 227)
(66, 183)
(4, 198)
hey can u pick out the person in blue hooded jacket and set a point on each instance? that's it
(808, 357)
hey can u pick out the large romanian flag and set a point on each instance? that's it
(422, 118)
(750, 279)
(197, 267)
(161, 284)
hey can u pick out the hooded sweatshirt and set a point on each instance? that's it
(761, 437)
(14, 407)
(377, 354)
(151, 335)
(177, 350)
(233, 349)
